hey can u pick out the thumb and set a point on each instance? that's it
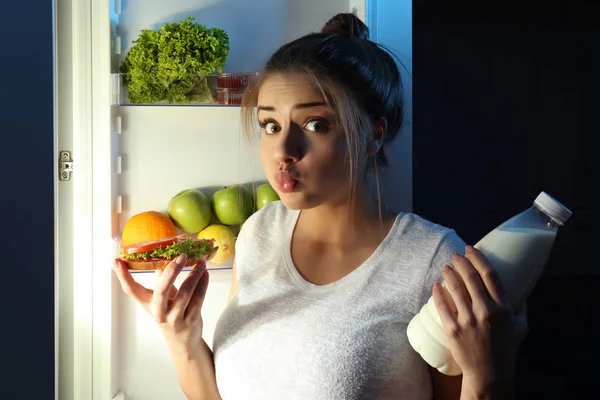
(199, 295)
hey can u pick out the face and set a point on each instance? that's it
(302, 148)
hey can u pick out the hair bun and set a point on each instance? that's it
(346, 24)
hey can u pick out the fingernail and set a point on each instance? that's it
(115, 265)
(447, 268)
(200, 268)
(437, 285)
(181, 259)
(469, 249)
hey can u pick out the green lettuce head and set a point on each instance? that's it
(168, 65)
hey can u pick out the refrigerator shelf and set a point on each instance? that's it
(187, 269)
(211, 90)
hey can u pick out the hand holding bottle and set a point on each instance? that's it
(177, 312)
(518, 250)
(483, 333)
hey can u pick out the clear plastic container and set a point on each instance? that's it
(234, 81)
(518, 249)
(229, 97)
(195, 90)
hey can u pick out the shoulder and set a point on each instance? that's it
(435, 244)
(265, 228)
(424, 232)
(438, 241)
(262, 236)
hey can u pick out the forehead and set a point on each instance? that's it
(288, 89)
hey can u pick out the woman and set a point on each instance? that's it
(326, 281)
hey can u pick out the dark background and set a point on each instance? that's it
(505, 105)
(27, 200)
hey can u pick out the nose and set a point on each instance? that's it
(291, 146)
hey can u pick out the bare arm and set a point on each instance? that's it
(483, 334)
(445, 387)
(500, 387)
(178, 314)
(196, 373)
(454, 388)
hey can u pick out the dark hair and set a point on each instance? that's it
(358, 79)
(348, 24)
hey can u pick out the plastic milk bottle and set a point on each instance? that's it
(518, 249)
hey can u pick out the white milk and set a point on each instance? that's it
(518, 249)
(519, 255)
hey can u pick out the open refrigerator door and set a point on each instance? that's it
(135, 154)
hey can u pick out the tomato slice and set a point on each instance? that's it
(149, 246)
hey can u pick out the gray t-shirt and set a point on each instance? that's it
(283, 338)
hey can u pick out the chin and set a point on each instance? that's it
(297, 201)
(292, 202)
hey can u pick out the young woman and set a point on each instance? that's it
(326, 280)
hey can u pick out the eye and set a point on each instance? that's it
(270, 127)
(317, 125)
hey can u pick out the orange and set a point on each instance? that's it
(147, 226)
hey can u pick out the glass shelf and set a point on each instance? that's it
(224, 90)
(210, 267)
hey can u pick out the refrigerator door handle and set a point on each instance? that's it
(119, 396)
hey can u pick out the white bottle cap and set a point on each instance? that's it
(559, 213)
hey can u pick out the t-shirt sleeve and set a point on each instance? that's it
(448, 246)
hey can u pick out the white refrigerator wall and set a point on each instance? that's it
(157, 151)
(164, 150)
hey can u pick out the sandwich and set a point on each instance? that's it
(157, 254)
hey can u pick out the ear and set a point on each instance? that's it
(379, 130)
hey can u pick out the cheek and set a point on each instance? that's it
(332, 159)
(265, 154)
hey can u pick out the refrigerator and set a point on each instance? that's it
(116, 159)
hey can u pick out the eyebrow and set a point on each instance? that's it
(297, 106)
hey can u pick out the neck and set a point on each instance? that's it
(344, 222)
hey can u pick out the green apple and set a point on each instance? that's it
(265, 194)
(233, 204)
(190, 210)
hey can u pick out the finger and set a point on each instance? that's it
(138, 292)
(157, 276)
(187, 289)
(195, 304)
(448, 318)
(472, 281)
(160, 300)
(448, 298)
(488, 275)
(458, 291)
(173, 292)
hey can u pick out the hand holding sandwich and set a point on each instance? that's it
(176, 311)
